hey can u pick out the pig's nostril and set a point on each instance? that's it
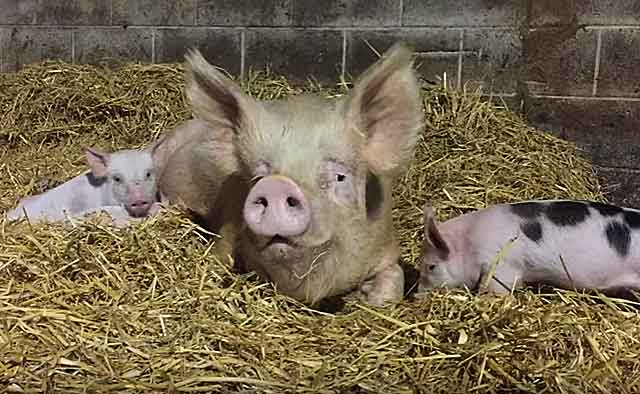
(293, 202)
(262, 201)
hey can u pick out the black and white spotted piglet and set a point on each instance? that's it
(566, 244)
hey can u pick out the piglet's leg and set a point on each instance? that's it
(115, 215)
(504, 280)
(387, 285)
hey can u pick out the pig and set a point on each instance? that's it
(122, 182)
(574, 245)
(305, 181)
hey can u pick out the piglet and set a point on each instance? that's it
(577, 245)
(121, 182)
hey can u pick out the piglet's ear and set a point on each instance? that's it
(432, 235)
(98, 162)
(215, 98)
(385, 107)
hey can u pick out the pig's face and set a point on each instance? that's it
(318, 171)
(304, 181)
(439, 266)
(129, 175)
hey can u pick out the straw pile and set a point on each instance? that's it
(152, 309)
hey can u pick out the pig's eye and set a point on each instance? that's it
(148, 175)
(117, 179)
(431, 267)
(339, 182)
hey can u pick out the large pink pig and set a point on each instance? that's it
(312, 176)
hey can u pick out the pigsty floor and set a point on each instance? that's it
(154, 309)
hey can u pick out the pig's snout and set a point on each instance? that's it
(276, 206)
(139, 208)
(139, 203)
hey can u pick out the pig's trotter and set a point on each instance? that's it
(387, 286)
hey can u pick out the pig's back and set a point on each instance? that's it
(598, 244)
(73, 196)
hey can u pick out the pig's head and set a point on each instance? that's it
(440, 265)
(317, 215)
(129, 176)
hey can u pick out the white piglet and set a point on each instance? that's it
(122, 183)
(567, 244)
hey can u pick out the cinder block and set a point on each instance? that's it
(552, 13)
(621, 186)
(298, 54)
(560, 61)
(588, 12)
(619, 73)
(463, 12)
(221, 47)
(608, 12)
(511, 102)
(492, 60)
(437, 51)
(22, 46)
(154, 12)
(112, 47)
(606, 130)
(347, 13)
(244, 12)
(18, 12)
(74, 12)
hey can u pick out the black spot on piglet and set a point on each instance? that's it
(632, 218)
(605, 209)
(567, 213)
(618, 237)
(527, 210)
(533, 230)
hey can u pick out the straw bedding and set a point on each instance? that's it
(153, 309)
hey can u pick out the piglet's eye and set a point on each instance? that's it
(117, 179)
(148, 174)
(340, 177)
(431, 267)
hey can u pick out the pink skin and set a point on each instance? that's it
(276, 206)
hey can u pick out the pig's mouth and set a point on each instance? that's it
(138, 209)
(279, 241)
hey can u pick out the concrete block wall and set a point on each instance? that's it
(571, 66)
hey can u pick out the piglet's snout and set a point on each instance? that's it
(139, 204)
(276, 206)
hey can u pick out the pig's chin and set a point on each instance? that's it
(278, 248)
(136, 212)
(281, 249)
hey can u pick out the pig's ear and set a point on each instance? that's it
(214, 97)
(432, 235)
(157, 150)
(98, 162)
(386, 108)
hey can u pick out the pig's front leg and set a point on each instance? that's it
(505, 280)
(387, 284)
